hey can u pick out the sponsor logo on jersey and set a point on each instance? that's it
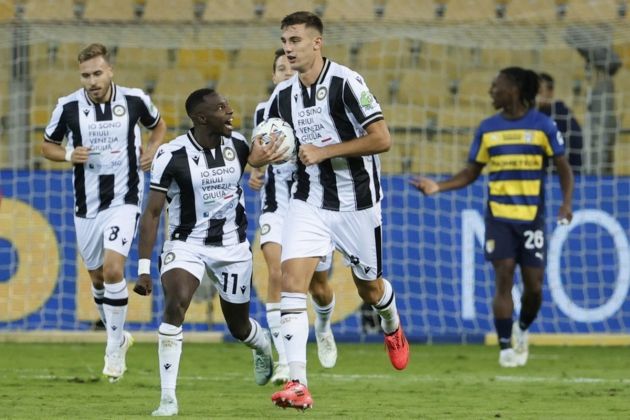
(264, 229)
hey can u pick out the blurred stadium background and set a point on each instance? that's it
(428, 62)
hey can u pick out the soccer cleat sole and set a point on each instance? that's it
(284, 404)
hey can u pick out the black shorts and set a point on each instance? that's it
(524, 242)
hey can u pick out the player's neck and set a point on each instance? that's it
(514, 112)
(310, 76)
(105, 99)
(206, 139)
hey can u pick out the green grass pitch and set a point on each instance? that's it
(216, 381)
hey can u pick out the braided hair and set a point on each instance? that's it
(527, 83)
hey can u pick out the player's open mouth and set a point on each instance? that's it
(291, 58)
(228, 124)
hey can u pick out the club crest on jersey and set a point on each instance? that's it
(367, 100)
(229, 153)
(169, 258)
(119, 110)
(490, 246)
(321, 93)
(264, 229)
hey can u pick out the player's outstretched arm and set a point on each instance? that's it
(565, 212)
(155, 140)
(426, 185)
(149, 223)
(463, 178)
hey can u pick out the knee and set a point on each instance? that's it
(370, 293)
(174, 312)
(112, 273)
(534, 290)
(275, 274)
(317, 290)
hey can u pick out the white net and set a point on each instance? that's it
(428, 63)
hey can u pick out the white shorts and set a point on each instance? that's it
(274, 202)
(113, 228)
(229, 267)
(312, 232)
(271, 225)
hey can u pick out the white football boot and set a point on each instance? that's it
(280, 374)
(115, 364)
(263, 362)
(507, 358)
(326, 349)
(168, 407)
(521, 344)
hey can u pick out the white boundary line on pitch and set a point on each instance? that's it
(355, 377)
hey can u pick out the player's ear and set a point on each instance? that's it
(318, 42)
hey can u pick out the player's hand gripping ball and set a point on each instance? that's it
(285, 133)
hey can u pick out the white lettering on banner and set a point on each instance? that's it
(473, 229)
(564, 302)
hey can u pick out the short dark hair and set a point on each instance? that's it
(310, 20)
(196, 98)
(546, 77)
(93, 50)
(527, 83)
(279, 53)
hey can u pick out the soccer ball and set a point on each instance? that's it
(272, 125)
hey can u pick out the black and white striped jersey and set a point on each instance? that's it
(112, 176)
(206, 205)
(338, 107)
(278, 179)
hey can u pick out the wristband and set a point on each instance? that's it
(144, 266)
(69, 155)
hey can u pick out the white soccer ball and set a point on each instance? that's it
(273, 125)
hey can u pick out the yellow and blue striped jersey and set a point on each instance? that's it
(516, 153)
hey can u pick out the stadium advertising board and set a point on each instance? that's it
(433, 253)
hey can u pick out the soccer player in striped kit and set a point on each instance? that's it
(516, 145)
(198, 174)
(336, 200)
(275, 191)
(104, 146)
